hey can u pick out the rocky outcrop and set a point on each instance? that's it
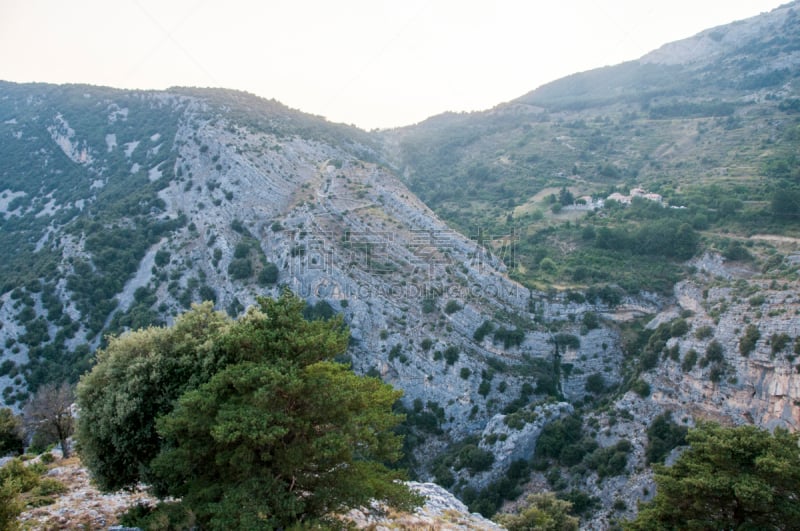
(761, 386)
(82, 506)
(441, 511)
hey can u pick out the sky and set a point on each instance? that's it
(371, 63)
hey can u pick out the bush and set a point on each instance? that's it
(510, 338)
(321, 310)
(11, 433)
(451, 355)
(714, 353)
(610, 461)
(663, 435)
(704, 332)
(452, 307)
(778, 342)
(482, 331)
(242, 250)
(240, 268)
(641, 388)
(590, 320)
(567, 341)
(269, 275)
(474, 459)
(543, 512)
(595, 383)
(162, 258)
(171, 515)
(689, 360)
(678, 328)
(747, 343)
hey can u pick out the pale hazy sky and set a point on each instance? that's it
(373, 63)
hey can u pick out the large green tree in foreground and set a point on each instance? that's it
(263, 432)
(741, 478)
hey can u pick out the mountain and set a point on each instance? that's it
(123, 208)
(709, 123)
(540, 331)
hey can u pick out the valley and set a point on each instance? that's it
(491, 265)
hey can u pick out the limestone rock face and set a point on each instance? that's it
(270, 199)
(442, 511)
(759, 387)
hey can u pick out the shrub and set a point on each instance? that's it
(162, 258)
(510, 338)
(451, 355)
(240, 268)
(689, 360)
(485, 328)
(778, 342)
(714, 353)
(242, 250)
(541, 511)
(269, 275)
(567, 341)
(747, 343)
(590, 320)
(663, 435)
(704, 332)
(678, 328)
(11, 433)
(610, 461)
(452, 307)
(641, 388)
(474, 459)
(595, 383)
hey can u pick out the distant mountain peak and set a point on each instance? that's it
(721, 40)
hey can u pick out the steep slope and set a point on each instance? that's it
(700, 137)
(185, 195)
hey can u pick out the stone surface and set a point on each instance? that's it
(442, 511)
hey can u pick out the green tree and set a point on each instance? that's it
(663, 435)
(565, 197)
(786, 203)
(267, 428)
(278, 433)
(747, 343)
(136, 379)
(11, 432)
(542, 511)
(268, 275)
(240, 268)
(729, 478)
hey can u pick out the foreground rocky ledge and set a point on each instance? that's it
(84, 507)
(442, 511)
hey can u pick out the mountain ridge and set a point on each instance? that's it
(124, 207)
